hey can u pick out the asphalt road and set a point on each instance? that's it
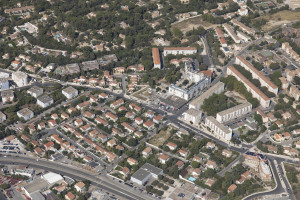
(2, 196)
(101, 182)
(278, 190)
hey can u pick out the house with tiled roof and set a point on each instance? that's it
(111, 156)
(211, 164)
(210, 181)
(138, 120)
(138, 134)
(38, 151)
(125, 171)
(80, 186)
(146, 152)
(196, 172)
(99, 120)
(85, 128)
(49, 145)
(111, 143)
(52, 123)
(231, 188)
(149, 114)
(117, 132)
(88, 114)
(111, 116)
(64, 116)
(70, 196)
(163, 158)
(41, 126)
(157, 119)
(103, 95)
(132, 161)
(129, 115)
(54, 116)
(117, 103)
(183, 153)
(119, 147)
(128, 127)
(78, 122)
(172, 146)
(148, 124)
(179, 164)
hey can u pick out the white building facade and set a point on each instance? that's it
(20, 78)
(234, 112)
(179, 50)
(193, 115)
(70, 92)
(218, 129)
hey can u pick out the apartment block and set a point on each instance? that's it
(231, 33)
(234, 112)
(221, 37)
(264, 81)
(245, 28)
(218, 128)
(295, 92)
(215, 89)
(156, 58)
(262, 98)
(179, 50)
(288, 49)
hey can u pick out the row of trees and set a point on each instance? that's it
(233, 84)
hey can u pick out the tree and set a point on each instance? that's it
(194, 164)
(274, 66)
(258, 119)
(132, 142)
(177, 33)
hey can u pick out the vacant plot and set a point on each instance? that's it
(160, 138)
(189, 24)
(280, 18)
(141, 92)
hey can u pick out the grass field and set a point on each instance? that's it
(160, 138)
(282, 17)
(189, 24)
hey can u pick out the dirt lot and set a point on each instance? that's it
(282, 17)
(189, 24)
(160, 138)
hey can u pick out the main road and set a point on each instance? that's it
(97, 180)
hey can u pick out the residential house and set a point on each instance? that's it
(149, 124)
(163, 158)
(172, 146)
(211, 164)
(180, 164)
(231, 188)
(80, 186)
(227, 153)
(147, 151)
(132, 161)
(196, 172)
